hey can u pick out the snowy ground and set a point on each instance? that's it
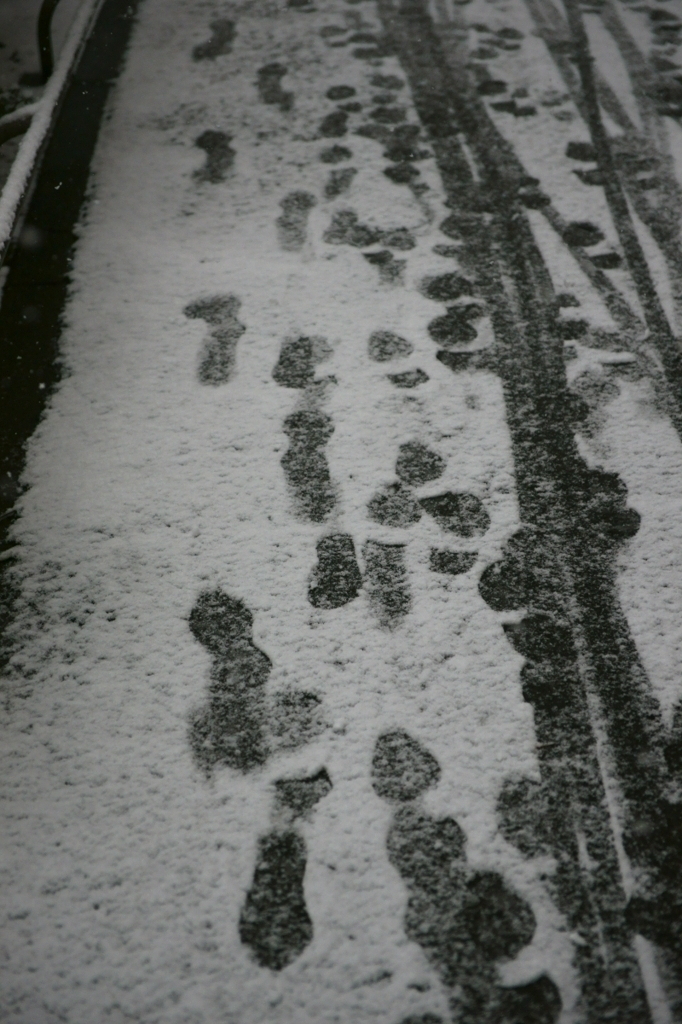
(260, 716)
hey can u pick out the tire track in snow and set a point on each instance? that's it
(596, 499)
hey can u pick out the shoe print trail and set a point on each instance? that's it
(342, 617)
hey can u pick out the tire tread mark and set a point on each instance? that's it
(553, 487)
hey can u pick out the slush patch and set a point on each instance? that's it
(409, 379)
(301, 795)
(295, 718)
(403, 147)
(335, 154)
(530, 195)
(499, 921)
(376, 132)
(222, 37)
(453, 563)
(401, 174)
(217, 359)
(339, 181)
(460, 513)
(463, 225)
(269, 85)
(605, 501)
(346, 230)
(292, 224)
(388, 115)
(386, 582)
(305, 464)
(567, 329)
(554, 690)
(398, 238)
(538, 1002)
(298, 357)
(607, 261)
(363, 37)
(508, 584)
(541, 637)
(448, 251)
(446, 287)
(335, 125)
(219, 156)
(465, 921)
(402, 768)
(336, 578)
(394, 505)
(582, 233)
(385, 345)
(416, 465)
(504, 106)
(369, 52)
(584, 151)
(340, 92)
(491, 87)
(455, 328)
(525, 812)
(377, 47)
(390, 269)
(222, 624)
(673, 748)
(329, 31)
(658, 14)
(422, 1018)
(274, 922)
(456, 361)
(386, 82)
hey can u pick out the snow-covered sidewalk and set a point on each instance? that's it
(270, 753)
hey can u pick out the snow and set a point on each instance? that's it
(125, 868)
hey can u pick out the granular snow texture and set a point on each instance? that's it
(290, 725)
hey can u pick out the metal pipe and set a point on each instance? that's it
(17, 186)
(45, 38)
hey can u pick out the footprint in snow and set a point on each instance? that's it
(220, 42)
(466, 921)
(274, 922)
(240, 725)
(219, 156)
(217, 359)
